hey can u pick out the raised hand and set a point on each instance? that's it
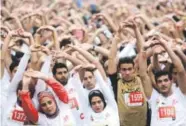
(36, 74)
(61, 55)
(89, 66)
(49, 28)
(35, 48)
(130, 23)
(45, 50)
(26, 82)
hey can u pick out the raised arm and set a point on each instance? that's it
(4, 48)
(113, 26)
(99, 49)
(146, 81)
(28, 107)
(55, 42)
(155, 64)
(112, 67)
(55, 85)
(106, 91)
(139, 37)
(91, 58)
(72, 59)
(182, 56)
(181, 77)
(19, 74)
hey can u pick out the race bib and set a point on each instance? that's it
(19, 116)
(167, 112)
(134, 99)
(73, 103)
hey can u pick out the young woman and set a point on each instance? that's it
(100, 107)
(51, 112)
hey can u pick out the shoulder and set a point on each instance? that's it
(154, 96)
(42, 119)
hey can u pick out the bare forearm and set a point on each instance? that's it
(112, 68)
(156, 64)
(176, 61)
(74, 61)
(101, 50)
(143, 74)
(111, 23)
(182, 56)
(140, 40)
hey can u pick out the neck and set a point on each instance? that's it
(167, 94)
(132, 78)
(53, 115)
(90, 88)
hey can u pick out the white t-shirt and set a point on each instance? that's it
(9, 105)
(16, 117)
(97, 87)
(74, 100)
(64, 118)
(168, 111)
(5, 82)
(106, 118)
(110, 113)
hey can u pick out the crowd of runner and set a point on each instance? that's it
(93, 62)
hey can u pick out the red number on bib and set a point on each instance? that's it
(136, 97)
(18, 116)
(167, 112)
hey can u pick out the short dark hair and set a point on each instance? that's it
(13, 65)
(17, 57)
(89, 70)
(162, 73)
(31, 88)
(58, 65)
(126, 60)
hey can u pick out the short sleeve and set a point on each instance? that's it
(154, 96)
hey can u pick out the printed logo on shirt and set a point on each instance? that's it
(134, 99)
(73, 103)
(82, 116)
(18, 115)
(66, 118)
(71, 91)
(167, 112)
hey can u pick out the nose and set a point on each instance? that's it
(97, 105)
(163, 83)
(127, 71)
(88, 80)
(47, 106)
(62, 74)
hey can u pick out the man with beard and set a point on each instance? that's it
(61, 74)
